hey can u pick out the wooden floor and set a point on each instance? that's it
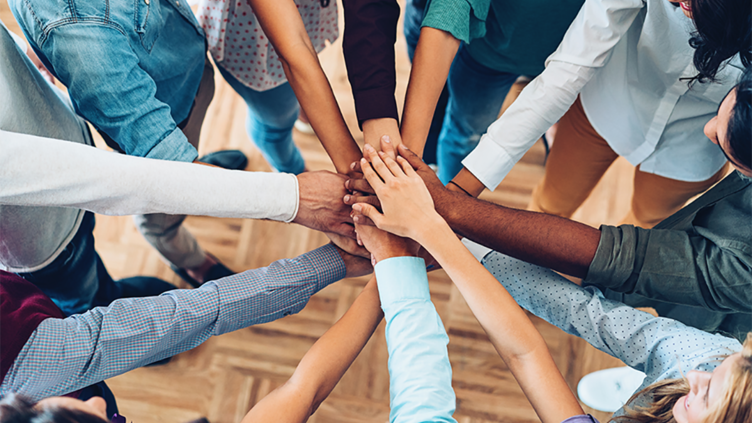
(225, 376)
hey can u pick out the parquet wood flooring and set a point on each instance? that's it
(225, 376)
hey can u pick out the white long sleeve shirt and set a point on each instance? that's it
(36, 171)
(626, 59)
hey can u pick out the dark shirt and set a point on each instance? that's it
(368, 45)
(695, 266)
(22, 308)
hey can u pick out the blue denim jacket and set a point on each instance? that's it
(132, 68)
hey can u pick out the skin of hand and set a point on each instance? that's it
(351, 246)
(355, 265)
(320, 205)
(433, 59)
(405, 201)
(375, 129)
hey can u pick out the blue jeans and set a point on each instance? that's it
(271, 116)
(476, 94)
(77, 280)
(414, 11)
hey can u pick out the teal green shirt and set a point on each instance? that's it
(514, 36)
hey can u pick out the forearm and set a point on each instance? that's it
(374, 129)
(546, 240)
(130, 333)
(37, 171)
(368, 47)
(329, 358)
(282, 23)
(513, 335)
(433, 59)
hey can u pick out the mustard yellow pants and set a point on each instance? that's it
(578, 159)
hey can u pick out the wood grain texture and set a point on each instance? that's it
(225, 376)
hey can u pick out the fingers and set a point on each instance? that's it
(415, 161)
(377, 164)
(409, 171)
(373, 179)
(368, 199)
(355, 167)
(391, 164)
(387, 147)
(360, 185)
(370, 212)
(362, 220)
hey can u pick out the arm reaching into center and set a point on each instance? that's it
(408, 211)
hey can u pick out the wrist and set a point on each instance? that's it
(432, 231)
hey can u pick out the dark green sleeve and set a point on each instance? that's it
(464, 19)
(674, 266)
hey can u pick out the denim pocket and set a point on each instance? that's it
(148, 22)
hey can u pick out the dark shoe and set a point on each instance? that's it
(142, 286)
(217, 271)
(226, 159)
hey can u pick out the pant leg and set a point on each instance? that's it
(476, 94)
(577, 161)
(77, 276)
(165, 232)
(413, 17)
(655, 197)
(271, 117)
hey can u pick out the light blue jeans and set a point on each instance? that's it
(476, 93)
(271, 117)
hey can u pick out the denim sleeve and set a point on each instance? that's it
(420, 375)
(110, 90)
(674, 266)
(64, 355)
(657, 346)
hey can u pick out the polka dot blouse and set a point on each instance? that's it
(238, 44)
(659, 347)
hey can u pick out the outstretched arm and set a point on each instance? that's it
(546, 240)
(129, 333)
(433, 59)
(283, 25)
(408, 211)
(323, 365)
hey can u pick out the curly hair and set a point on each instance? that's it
(740, 124)
(723, 29)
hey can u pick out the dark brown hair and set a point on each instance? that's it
(19, 409)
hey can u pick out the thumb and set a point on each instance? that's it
(412, 158)
(370, 212)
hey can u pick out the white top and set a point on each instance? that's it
(625, 58)
(37, 171)
(238, 44)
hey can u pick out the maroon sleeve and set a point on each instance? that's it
(370, 34)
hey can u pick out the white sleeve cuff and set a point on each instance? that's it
(477, 250)
(489, 162)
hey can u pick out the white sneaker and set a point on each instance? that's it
(304, 127)
(608, 390)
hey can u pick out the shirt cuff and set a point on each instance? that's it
(478, 251)
(610, 266)
(402, 278)
(375, 103)
(174, 146)
(489, 162)
(297, 200)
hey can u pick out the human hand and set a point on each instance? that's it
(406, 203)
(320, 204)
(354, 265)
(374, 131)
(383, 245)
(349, 245)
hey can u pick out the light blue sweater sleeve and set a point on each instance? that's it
(419, 371)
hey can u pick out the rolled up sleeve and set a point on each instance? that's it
(464, 19)
(111, 91)
(673, 266)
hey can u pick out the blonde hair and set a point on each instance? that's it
(733, 406)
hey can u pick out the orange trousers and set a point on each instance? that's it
(578, 159)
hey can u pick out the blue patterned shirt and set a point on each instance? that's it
(65, 355)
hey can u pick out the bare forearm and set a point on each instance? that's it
(512, 333)
(549, 241)
(315, 95)
(374, 129)
(433, 59)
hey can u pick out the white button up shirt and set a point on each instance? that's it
(627, 60)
